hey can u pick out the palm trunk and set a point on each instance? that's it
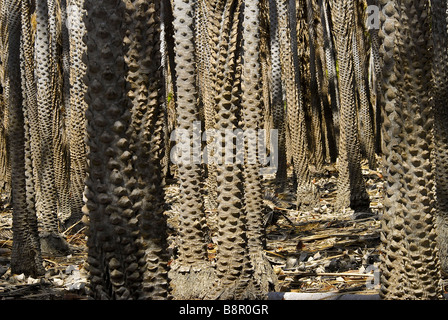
(278, 110)
(26, 255)
(191, 271)
(116, 254)
(315, 103)
(252, 118)
(231, 259)
(366, 132)
(52, 242)
(351, 186)
(330, 57)
(33, 149)
(306, 191)
(207, 38)
(76, 128)
(148, 121)
(440, 92)
(410, 266)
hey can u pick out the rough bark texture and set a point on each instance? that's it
(51, 240)
(330, 58)
(278, 110)
(261, 274)
(116, 253)
(232, 259)
(410, 266)
(317, 150)
(76, 127)
(367, 138)
(440, 93)
(32, 135)
(207, 25)
(148, 120)
(306, 191)
(25, 256)
(191, 271)
(351, 186)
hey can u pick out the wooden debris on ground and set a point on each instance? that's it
(316, 251)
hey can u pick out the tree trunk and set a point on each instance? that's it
(261, 273)
(116, 252)
(410, 267)
(278, 108)
(367, 138)
(76, 128)
(51, 240)
(306, 191)
(351, 186)
(191, 271)
(25, 256)
(148, 121)
(440, 93)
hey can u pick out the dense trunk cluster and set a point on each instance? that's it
(105, 102)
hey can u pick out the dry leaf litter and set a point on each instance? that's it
(313, 251)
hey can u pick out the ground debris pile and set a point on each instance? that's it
(324, 250)
(65, 277)
(315, 251)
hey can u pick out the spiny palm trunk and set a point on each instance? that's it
(330, 58)
(116, 252)
(351, 186)
(306, 191)
(366, 132)
(52, 242)
(440, 92)
(323, 89)
(26, 255)
(207, 23)
(5, 185)
(410, 266)
(231, 259)
(5, 171)
(251, 101)
(191, 273)
(278, 109)
(315, 103)
(60, 147)
(76, 128)
(377, 92)
(33, 143)
(147, 137)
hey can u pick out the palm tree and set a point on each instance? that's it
(146, 91)
(76, 120)
(207, 26)
(315, 102)
(231, 259)
(26, 256)
(116, 251)
(278, 111)
(295, 114)
(351, 186)
(330, 59)
(29, 91)
(410, 267)
(191, 271)
(251, 85)
(366, 132)
(47, 92)
(440, 93)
